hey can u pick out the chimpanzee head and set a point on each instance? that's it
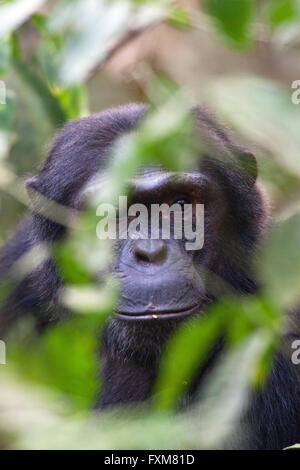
(165, 279)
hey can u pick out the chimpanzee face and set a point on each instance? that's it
(162, 263)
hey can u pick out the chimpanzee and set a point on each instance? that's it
(162, 283)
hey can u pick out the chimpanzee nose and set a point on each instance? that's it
(153, 251)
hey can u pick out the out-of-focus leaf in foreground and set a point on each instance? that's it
(94, 27)
(13, 14)
(180, 18)
(5, 50)
(283, 11)
(263, 112)
(225, 393)
(184, 355)
(51, 105)
(7, 112)
(231, 322)
(34, 418)
(233, 18)
(83, 260)
(280, 262)
(164, 138)
(295, 446)
(63, 358)
(25, 410)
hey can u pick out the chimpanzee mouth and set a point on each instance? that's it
(159, 314)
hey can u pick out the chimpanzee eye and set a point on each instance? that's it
(182, 201)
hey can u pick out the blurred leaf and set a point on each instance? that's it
(280, 262)
(73, 100)
(24, 408)
(71, 269)
(16, 52)
(48, 50)
(94, 26)
(34, 418)
(185, 353)
(225, 393)
(7, 112)
(233, 18)
(64, 358)
(97, 300)
(262, 111)
(180, 18)
(265, 362)
(245, 315)
(109, 431)
(287, 37)
(295, 446)
(92, 29)
(83, 252)
(13, 14)
(235, 320)
(5, 49)
(282, 11)
(165, 138)
(82, 260)
(49, 102)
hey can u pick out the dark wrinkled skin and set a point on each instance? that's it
(159, 278)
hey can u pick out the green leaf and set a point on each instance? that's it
(282, 11)
(64, 358)
(249, 314)
(71, 269)
(236, 320)
(184, 354)
(49, 102)
(5, 49)
(73, 100)
(7, 112)
(233, 18)
(180, 18)
(295, 446)
(262, 111)
(15, 13)
(96, 300)
(280, 262)
(93, 28)
(34, 417)
(225, 393)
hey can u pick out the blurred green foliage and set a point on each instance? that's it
(64, 358)
(234, 19)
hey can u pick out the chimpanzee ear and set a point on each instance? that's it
(248, 163)
(31, 185)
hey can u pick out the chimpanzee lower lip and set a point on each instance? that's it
(158, 315)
